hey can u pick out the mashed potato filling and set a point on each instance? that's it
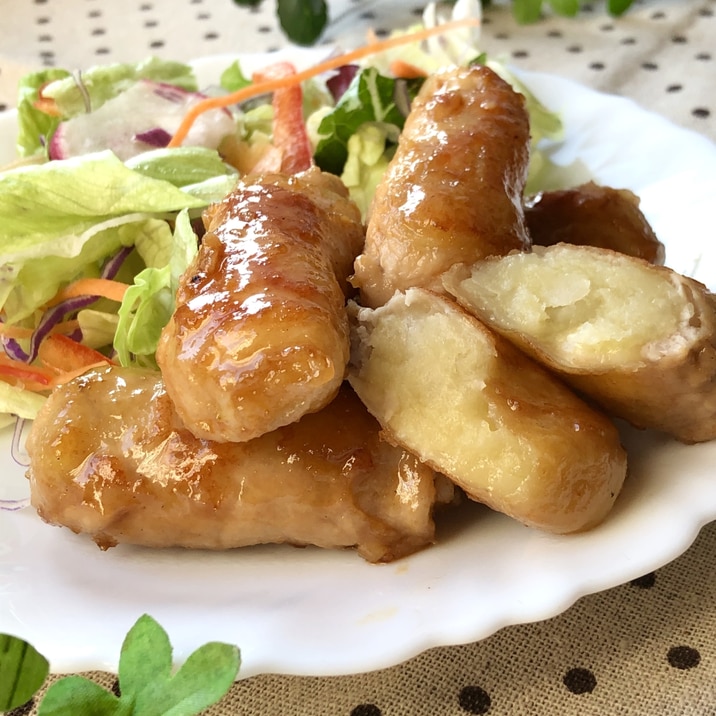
(428, 361)
(581, 305)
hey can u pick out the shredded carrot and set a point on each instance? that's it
(100, 287)
(15, 331)
(39, 379)
(26, 383)
(66, 327)
(332, 63)
(30, 377)
(46, 104)
(406, 70)
(62, 355)
(60, 359)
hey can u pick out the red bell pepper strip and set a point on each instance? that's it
(27, 376)
(289, 126)
(62, 354)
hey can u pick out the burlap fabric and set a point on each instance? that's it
(646, 647)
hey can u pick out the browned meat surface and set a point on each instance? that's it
(593, 215)
(468, 403)
(110, 458)
(453, 191)
(638, 339)
(260, 334)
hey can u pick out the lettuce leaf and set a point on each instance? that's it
(89, 90)
(81, 92)
(19, 402)
(371, 97)
(36, 282)
(181, 166)
(33, 126)
(41, 204)
(98, 327)
(367, 161)
(57, 220)
(149, 303)
(233, 78)
(213, 189)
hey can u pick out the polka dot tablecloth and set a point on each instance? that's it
(662, 53)
(646, 647)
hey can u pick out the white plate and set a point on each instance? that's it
(306, 611)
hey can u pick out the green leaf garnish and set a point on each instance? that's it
(568, 8)
(233, 78)
(148, 685)
(78, 696)
(302, 20)
(22, 672)
(529, 11)
(618, 7)
(146, 679)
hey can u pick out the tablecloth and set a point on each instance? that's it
(646, 647)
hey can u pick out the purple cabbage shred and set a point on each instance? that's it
(156, 137)
(14, 350)
(169, 92)
(59, 312)
(53, 316)
(112, 266)
(339, 83)
(17, 451)
(14, 505)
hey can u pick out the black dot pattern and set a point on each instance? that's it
(646, 581)
(646, 42)
(580, 681)
(169, 28)
(474, 700)
(366, 710)
(601, 656)
(683, 657)
(24, 710)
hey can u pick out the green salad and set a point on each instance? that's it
(101, 212)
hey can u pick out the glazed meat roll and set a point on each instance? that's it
(109, 457)
(453, 190)
(467, 402)
(637, 338)
(259, 336)
(593, 215)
